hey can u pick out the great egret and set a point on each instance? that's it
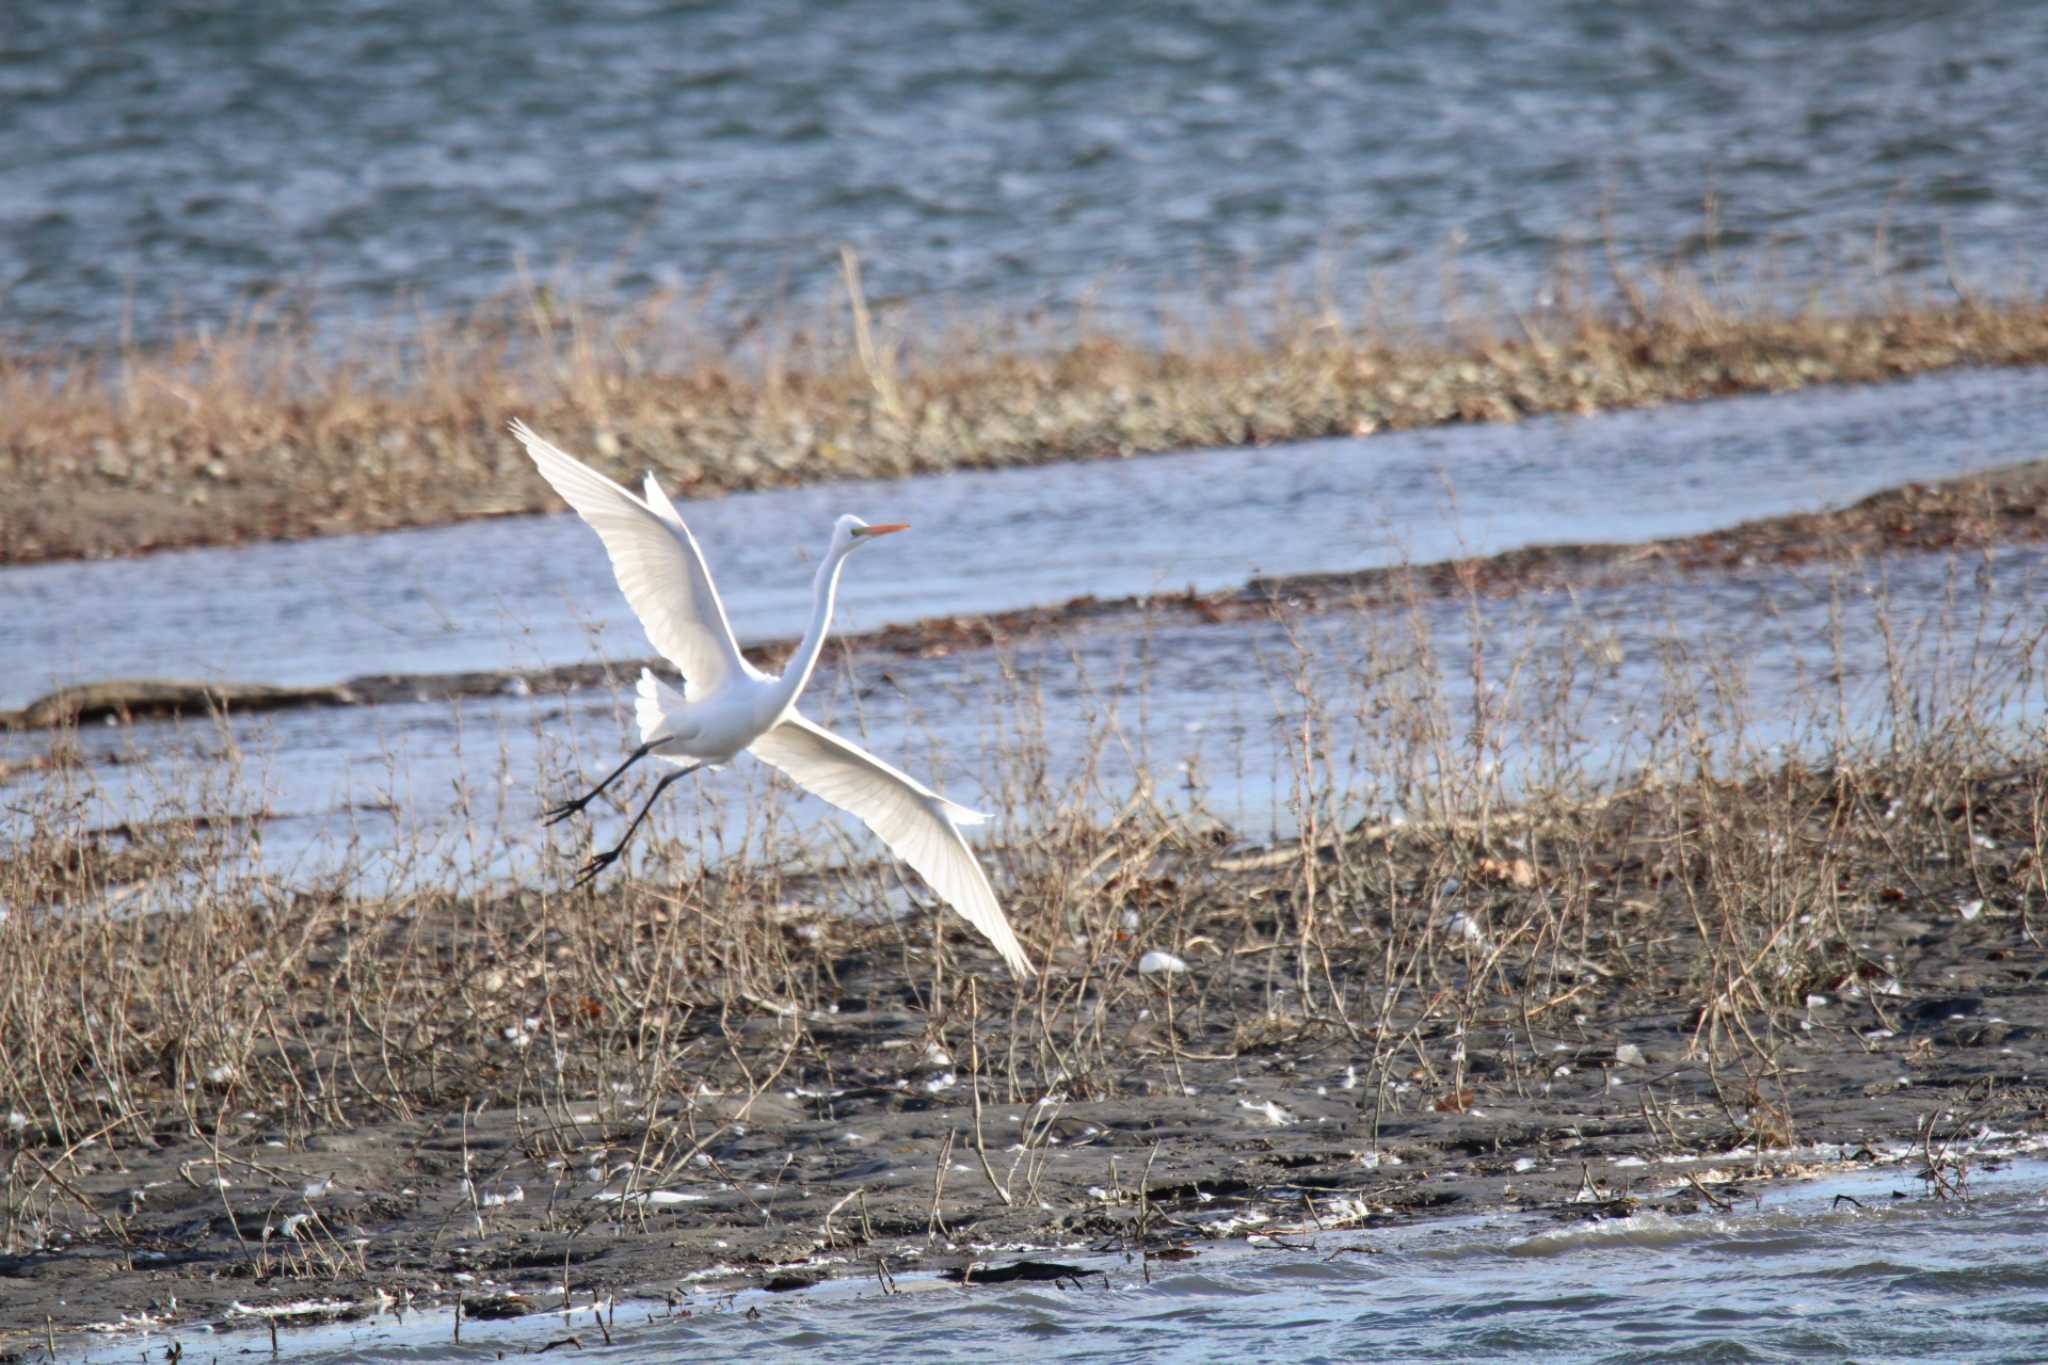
(728, 706)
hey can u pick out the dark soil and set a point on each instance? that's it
(1915, 1013)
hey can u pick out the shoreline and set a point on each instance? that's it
(253, 436)
(1676, 1187)
(1538, 1011)
(765, 1074)
(2008, 505)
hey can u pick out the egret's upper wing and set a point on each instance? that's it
(659, 567)
(915, 822)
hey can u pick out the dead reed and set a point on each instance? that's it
(278, 428)
(1518, 921)
(1443, 899)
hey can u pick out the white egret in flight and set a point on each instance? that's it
(728, 706)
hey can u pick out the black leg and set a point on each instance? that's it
(569, 808)
(604, 860)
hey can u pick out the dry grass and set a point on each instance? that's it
(1461, 977)
(276, 428)
(1715, 879)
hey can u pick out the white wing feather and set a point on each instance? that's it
(919, 826)
(659, 567)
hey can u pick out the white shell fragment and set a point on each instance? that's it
(1270, 1111)
(1156, 962)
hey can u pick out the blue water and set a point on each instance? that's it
(177, 161)
(1792, 1277)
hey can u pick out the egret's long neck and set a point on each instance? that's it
(798, 671)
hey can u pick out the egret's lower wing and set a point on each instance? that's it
(913, 820)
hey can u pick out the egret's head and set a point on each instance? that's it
(853, 533)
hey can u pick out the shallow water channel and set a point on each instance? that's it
(1857, 1266)
(1212, 712)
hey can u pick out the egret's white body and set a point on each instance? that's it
(728, 706)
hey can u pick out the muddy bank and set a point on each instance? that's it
(132, 699)
(274, 436)
(679, 1085)
(1972, 513)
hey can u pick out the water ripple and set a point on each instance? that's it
(989, 153)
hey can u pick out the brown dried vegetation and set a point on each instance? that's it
(1725, 948)
(275, 429)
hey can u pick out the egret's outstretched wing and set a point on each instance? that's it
(659, 567)
(917, 824)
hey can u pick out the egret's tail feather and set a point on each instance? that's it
(962, 815)
(653, 700)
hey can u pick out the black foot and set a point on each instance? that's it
(557, 814)
(589, 871)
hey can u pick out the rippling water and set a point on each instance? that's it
(1796, 1276)
(1789, 1280)
(168, 158)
